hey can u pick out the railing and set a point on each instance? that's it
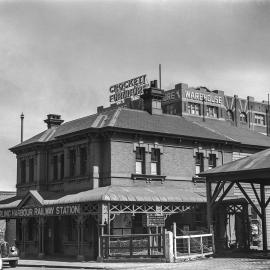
(188, 246)
(132, 245)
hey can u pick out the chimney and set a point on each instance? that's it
(53, 120)
(152, 98)
(100, 109)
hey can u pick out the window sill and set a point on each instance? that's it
(148, 177)
(24, 185)
(76, 178)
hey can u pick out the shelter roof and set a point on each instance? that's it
(256, 166)
(242, 135)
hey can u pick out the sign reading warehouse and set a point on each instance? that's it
(132, 88)
(41, 211)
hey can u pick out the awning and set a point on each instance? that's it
(151, 194)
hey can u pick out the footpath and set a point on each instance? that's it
(236, 259)
(86, 264)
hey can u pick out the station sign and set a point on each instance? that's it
(132, 88)
(207, 97)
(154, 220)
(41, 211)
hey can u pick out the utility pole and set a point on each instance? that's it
(267, 118)
(159, 76)
(22, 117)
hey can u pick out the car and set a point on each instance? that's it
(9, 254)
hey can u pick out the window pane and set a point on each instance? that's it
(62, 166)
(138, 167)
(153, 168)
(23, 171)
(198, 169)
(72, 161)
(55, 168)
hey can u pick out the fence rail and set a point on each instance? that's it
(188, 246)
(133, 245)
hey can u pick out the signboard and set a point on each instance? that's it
(41, 211)
(154, 220)
(171, 95)
(132, 88)
(196, 95)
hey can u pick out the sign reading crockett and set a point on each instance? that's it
(41, 211)
(132, 88)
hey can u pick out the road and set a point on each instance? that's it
(205, 264)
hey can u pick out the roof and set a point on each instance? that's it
(155, 194)
(138, 120)
(128, 119)
(242, 135)
(250, 166)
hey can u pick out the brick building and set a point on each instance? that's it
(105, 173)
(201, 103)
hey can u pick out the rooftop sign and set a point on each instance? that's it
(196, 95)
(132, 88)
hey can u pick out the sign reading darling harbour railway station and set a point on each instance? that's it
(132, 88)
(41, 211)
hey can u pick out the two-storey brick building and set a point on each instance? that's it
(104, 173)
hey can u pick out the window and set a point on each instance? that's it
(155, 161)
(212, 163)
(243, 117)
(62, 164)
(23, 171)
(55, 167)
(194, 108)
(171, 109)
(156, 104)
(212, 111)
(83, 160)
(140, 160)
(259, 119)
(31, 170)
(72, 162)
(199, 163)
(230, 115)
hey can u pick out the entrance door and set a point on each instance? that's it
(57, 235)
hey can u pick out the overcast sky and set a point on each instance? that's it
(62, 56)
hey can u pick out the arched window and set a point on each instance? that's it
(243, 117)
(230, 115)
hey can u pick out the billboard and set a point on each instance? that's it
(132, 88)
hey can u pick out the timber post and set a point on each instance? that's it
(210, 211)
(41, 224)
(80, 223)
(263, 212)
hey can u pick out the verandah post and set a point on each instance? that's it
(264, 227)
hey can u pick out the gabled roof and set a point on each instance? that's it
(142, 121)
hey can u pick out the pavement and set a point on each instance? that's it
(225, 262)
